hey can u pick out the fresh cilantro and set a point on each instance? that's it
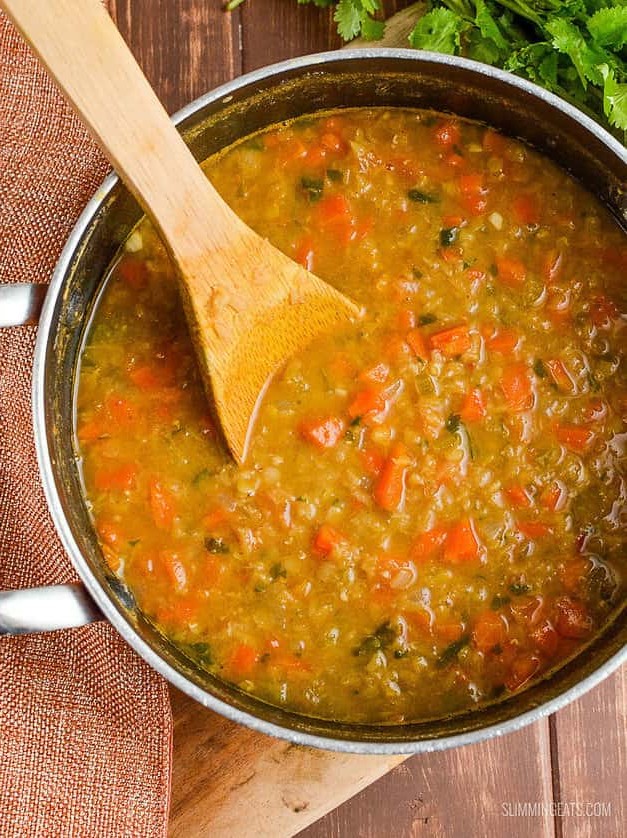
(216, 545)
(438, 31)
(448, 236)
(420, 197)
(312, 187)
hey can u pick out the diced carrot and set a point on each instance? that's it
(575, 437)
(133, 271)
(243, 660)
(533, 530)
(447, 134)
(333, 209)
(416, 340)
(517, 387)
(121, 411)
(489, 631)
(473, 407)
(524, 667)
(462, 543)
(365, 402)
(323, 433)
(528, 610)
(454, 160)
(561, 376)
(146, 377)
(545, 638)
(603, 312)
(396, 347)
(375, 375)
(572, 618)
(511, 272)
(451, 254)
(594, 411)
(389, 490)
(327, 539)
(518, 497)
(372, 460)
(419, 619)
(162, 505)
(341, 366)
(333, 142)
(554, 496)
(118, 479)
(175, 569)
(109, 532)
(574, 573)
(428, 544)
(305, 254)
(406, 319)
(526, 209)
(215, 518)
(503, 342)
(449, 221)
(94, 429)
(473, 192)
(451, 342)
(289, 150)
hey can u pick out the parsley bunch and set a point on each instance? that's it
(574, 48)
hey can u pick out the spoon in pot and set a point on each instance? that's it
(249, 307)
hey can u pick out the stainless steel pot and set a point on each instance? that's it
(357, 77)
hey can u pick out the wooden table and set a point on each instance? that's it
(231, 783)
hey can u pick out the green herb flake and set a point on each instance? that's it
(540, 369)
(448, 236)
(277, 571)
(453, 423)
(499, 602)
(427, 319)
(313, 188)
(519, 588)
(334, 175)
(451, 651)
(216, 545)
(419, 197)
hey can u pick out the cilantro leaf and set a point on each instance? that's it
(608, 27)
(614, 98)
(439, 31)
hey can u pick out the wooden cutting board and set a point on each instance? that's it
(230, 782)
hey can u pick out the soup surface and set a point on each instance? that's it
(433, 509)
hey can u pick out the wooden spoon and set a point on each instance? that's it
(249, 307)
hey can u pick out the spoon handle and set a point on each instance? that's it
(82, 49)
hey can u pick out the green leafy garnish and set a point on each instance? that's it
(451, 651)
(539, 368)
(313, 188)
(422, 197)
(216, 545)
(448, 236)
(453, 423)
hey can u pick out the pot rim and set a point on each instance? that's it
(98, 592)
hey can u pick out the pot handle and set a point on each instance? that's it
(52, 607)
(33, 610)
(21, 304)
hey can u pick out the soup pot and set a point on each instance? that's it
(360, 77)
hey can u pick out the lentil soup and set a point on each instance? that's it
(433, 509)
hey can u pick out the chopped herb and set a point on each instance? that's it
(255, 143)
(493, 270)
(201, 652)
(448, 236)
(216, 545)
(417, 273)
(334, 175)
(205, 472)
(539, 368)
(453, 423)
(134, 542)
(382, 637)
(401, 653)
(356, 421)
(426, 319)
(451, 651)
(313, 187)
(277, 570)
(420, 197)
(499, 602)
(519, 588)
(301, 499)
(593, 381)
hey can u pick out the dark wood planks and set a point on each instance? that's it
(591, 739)
(455, 793)
(185, 47)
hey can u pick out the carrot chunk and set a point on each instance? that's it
(545, 638)
(451, 342)
(575, 437)
(473, 192)
(389, 490)
(243, 660)
(533, 530)
(462, 543)
(323, 433)
(375, 375)
(427, 544)
(573, 619)
(504, 342)
(526, 209)
(119, 479)
(447, 134)
(162, 505)
(489, 631)
(327, 539)
(370, 400)
(517, 387)
(418, 344)
(473, 407)
(524, 667)
(518, 497)
(511, 272)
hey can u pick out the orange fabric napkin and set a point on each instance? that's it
(85, 725)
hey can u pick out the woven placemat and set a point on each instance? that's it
(85, 725)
